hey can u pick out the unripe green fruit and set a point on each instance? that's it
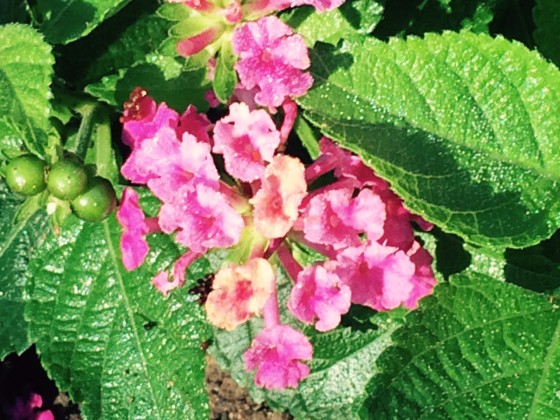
(26, 175)
(97, 202)
(67, 179)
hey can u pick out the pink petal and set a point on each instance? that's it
(277, 202)
(134, 247)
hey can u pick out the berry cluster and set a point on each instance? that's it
(91, 197)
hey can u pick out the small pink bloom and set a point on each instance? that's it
(165, 164)
(319, 294)
(273, 58)
(134, 247)
(161, 280)
(203, 216)
(142, 120)
(336, 218)
(152, 155)
(192, 161)
(247, 139)
(276, 354)
(380, 277)
(239, 293)
(423, 279)
(277, 202)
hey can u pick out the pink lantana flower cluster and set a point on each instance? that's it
(272, 59)
(258, 207)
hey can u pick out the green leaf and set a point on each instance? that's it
(344, 361)
(418, 17)
(358, 16)
(166, 79)
(25, 76)
(225, 78)
(527, 268)
(101, 153)
(107, 335)
(11, 144)
(138, 39)
(547, 15)
(17, 243)
(456, 124)
(478, 348)
(63, 21)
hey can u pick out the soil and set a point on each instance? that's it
(22, 375)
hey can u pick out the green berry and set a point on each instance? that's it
(26, 175)
(67, 179)
(97, 202)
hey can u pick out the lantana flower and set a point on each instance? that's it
(276, 354)
(320, 295)
(379, 277)
(239, 293)
(203, 218)
(277, 201)
(336, 218)
(247, 139)
(272, 58)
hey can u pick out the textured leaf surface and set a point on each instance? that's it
(107, 335)
(547, 15)
(478, 348)
(527, 268)
(463, 126)
(25, 76)
(165, 78)
(344, 361)
(64, 21)
(358, 16)
(17, 244)
(131, 46)
(225, 78)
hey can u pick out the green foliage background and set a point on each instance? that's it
(455, 103)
